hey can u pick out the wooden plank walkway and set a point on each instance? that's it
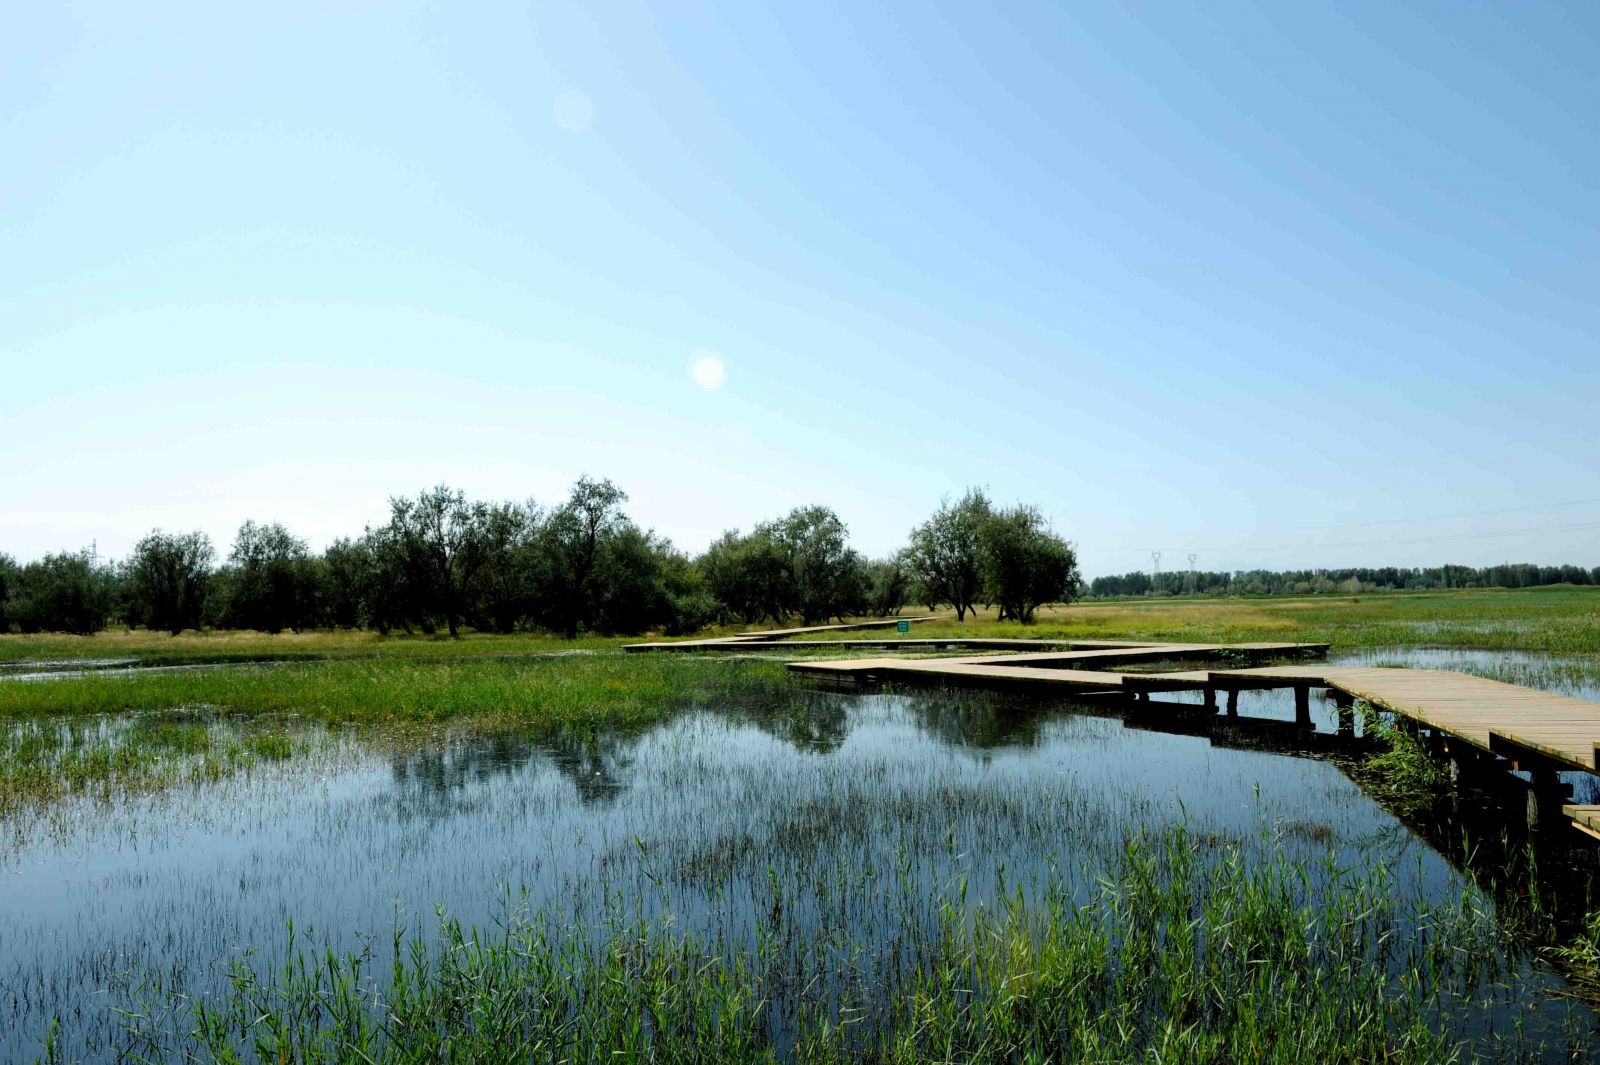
(1530, 729)
(1585, 818)
(1043, 667)
(743, 639)
(935, 643)
(1094, 658)
(1518, 723)
(1080, 680)
(1491, 715)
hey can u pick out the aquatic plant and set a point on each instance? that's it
(1236, 958)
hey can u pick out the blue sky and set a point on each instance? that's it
(1279, 285)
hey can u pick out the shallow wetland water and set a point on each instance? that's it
(851, 819)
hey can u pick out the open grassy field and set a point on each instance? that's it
(146, 646)
(1556, 620)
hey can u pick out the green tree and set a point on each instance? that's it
(888, 585)
(61, 593)
(825, 573)
(439, 541)
(344, 575)
(693, 607)
(629, 592)
(167, 578)
(749, 575)
(504, 586)
(571, 541)
(8, 587)
(387, 593)
(944, 554)
(1024, 564)
(274, 584)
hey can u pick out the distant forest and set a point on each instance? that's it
(1338, 581)
(442, 563)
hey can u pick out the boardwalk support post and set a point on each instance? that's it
(1546, 793)
(1302, 706)
(1233, 702)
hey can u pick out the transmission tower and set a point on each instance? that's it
(1193, 587)
(1155, 576)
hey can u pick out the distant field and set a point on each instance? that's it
(1558, 620)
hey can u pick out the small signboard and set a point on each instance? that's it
(902, 626)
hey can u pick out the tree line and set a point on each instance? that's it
(442, 563)
(1347, 581)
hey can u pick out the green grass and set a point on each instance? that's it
(251, 646)
(60, 744)
(571, 690)
(1403, 773)
(1558, 620)
(1555, 620)
(1175, 957)
(44, 760)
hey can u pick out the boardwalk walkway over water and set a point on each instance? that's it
(1473, 719)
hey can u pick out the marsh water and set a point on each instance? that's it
(870, 807)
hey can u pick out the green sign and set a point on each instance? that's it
(902, 626)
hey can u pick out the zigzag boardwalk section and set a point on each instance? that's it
(742, 640)
(1075, 670)
(1475, 721)
(859, 670)
(1474, 718)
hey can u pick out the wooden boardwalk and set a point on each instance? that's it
(1058, 668)
(745, 639)
(1504, 723)
(1488, 720)
(1518, 723)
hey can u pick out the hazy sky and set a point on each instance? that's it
(1278, 284)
